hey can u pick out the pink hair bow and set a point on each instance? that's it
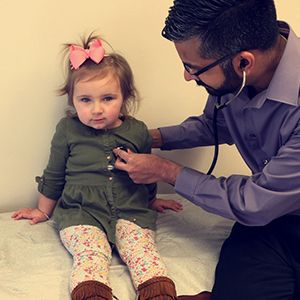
(79, 55)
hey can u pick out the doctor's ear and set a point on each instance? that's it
(243, 61)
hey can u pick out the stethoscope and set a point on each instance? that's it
(218, 106)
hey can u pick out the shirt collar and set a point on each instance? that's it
(285, 83)
(284, 86)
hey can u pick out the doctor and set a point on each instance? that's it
(249, 63)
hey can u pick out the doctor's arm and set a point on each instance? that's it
(149, 168)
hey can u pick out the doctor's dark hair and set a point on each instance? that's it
(112, 63)
(223, 26)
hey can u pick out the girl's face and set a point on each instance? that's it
(98, 101)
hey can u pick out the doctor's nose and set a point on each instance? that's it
(188, 77)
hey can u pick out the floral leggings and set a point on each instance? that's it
(92, 253)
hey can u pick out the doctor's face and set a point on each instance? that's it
(207, 72)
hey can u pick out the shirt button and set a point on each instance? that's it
(110, 167)
(108, 157)
(134, 220)
(265, 161)
(110, 178)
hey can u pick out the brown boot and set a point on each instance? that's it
(157, 288)
(201, 296)
(91, 290)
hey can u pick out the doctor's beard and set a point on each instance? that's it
(231, 83)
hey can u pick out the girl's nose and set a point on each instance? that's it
(97, 108)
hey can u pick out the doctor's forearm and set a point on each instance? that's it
(169, 171)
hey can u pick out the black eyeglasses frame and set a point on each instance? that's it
(208, 67)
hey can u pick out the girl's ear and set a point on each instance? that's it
(123, 111)
(71, 112)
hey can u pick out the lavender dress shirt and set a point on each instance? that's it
(266, 132)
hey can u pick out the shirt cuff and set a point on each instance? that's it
(166, 134)
(187, 182)
(47, 191)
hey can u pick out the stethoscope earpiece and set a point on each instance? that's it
(244, 62)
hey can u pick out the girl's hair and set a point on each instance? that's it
(111, 63)
(223, 26)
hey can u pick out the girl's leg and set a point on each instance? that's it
(137, 249)
(91, 254)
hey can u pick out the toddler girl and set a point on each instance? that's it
(95, 206)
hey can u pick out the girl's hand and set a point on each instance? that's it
(33, 214)
(161, 204)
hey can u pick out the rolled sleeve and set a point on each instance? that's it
(48, 189)
(52, 182)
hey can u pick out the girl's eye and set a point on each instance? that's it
(108, 98)
(85, 99)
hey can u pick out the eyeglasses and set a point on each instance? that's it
(208, 67)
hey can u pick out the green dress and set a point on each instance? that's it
(81, 176)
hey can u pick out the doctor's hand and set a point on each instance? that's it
(146, 168)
